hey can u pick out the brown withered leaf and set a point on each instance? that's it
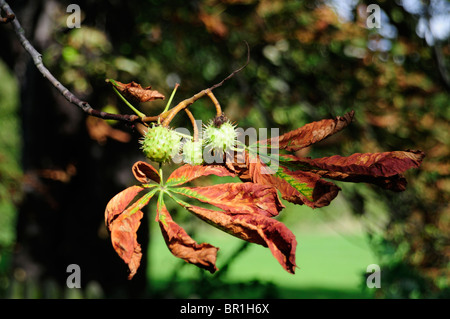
(245, 211)
(310, 133)
(382, 169)
(253, 228)
(145, 172)
(296, 186)
(120, 202)
(384, 164)
(181, 245)
(123, 221)
(238, 198)
(135, 92)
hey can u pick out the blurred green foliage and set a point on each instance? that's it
(10, 170)
(306, 64)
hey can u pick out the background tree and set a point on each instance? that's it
(307, 63)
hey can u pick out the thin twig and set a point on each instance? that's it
(37, 60)
(171, 97)
(235, 71)
(181, 106)
(9, 15)
(194, 124)
(184, 104)
(215, 101)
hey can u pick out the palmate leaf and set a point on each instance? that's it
(248, 207)
(245, 210)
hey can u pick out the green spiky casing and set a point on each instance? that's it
(193, 153)
(160, 144)
(220, 138)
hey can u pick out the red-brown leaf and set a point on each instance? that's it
(123, 222)
(124, 240)
(118, 203)
(310, 133)
(145, 173)
(238, 198)
(181, 245)
(382, 169)
(136, 92)
(375, 164)
(187, 173)
(299, 187)
(256, 229)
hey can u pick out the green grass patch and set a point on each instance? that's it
(331, 265)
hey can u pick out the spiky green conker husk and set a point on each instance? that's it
(220, 138)
(193, 153)
(160, 144)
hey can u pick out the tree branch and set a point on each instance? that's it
(169, 115)
(9, 14)
(37, 60)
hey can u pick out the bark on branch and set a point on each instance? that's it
(37, 60)
(84, 106)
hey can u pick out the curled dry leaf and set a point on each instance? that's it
(123, 221)
(136, 93)
(310, 133)
(145, 173)
(253, 228)
(181, 245)
(120, 202)
(299, 187)
(381, 169)
(384, 164)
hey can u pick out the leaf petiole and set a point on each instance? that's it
(138, 113)
(188, 137)
(161, 175)
(171, 97)
(177, 199)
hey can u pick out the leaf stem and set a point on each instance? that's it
(184, 104)
(181, 106)
(161, 174)
(140, 114)
(183, 135)
(215, 101)
(194, 124)
(171, 97)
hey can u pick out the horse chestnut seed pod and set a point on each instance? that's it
(193, 152)
(160, 143)
(220, 138)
